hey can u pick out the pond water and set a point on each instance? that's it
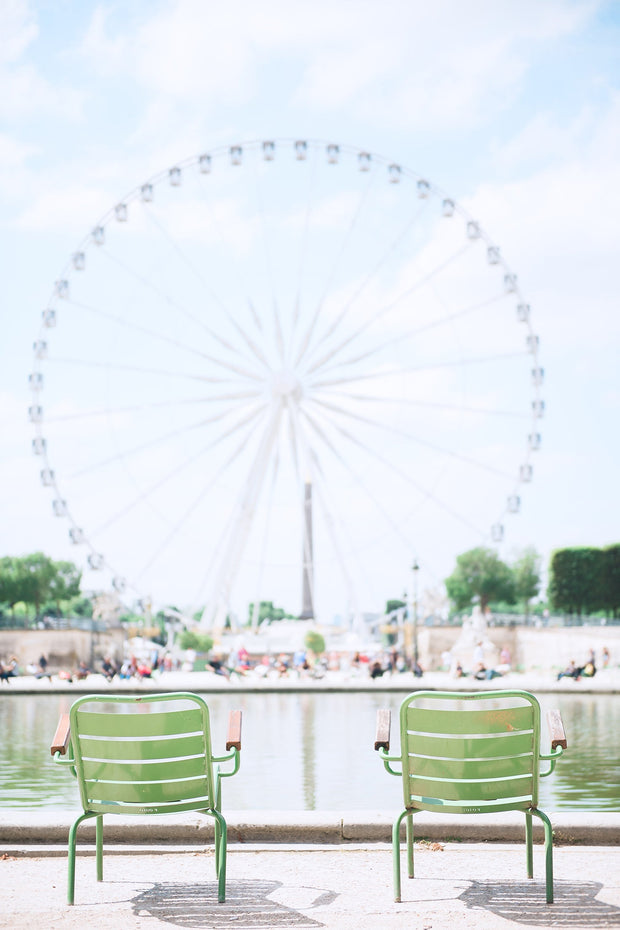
(311, 752)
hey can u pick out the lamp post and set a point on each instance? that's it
(415, 568)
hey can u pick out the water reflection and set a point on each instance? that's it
(311, 752)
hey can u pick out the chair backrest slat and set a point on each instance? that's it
(145, 749)
(469, 752)
(150, 754)
(484, 746)
(501, 789)
(133, 770)
(472, 769)
(500, 720)
(148, 793)
(139, 723)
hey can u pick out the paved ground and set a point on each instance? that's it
(457, 885)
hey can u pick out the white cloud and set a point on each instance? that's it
(71, 208)
(406, 63)
(17, 27)
(23, 91)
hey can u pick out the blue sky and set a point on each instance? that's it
(511, 108)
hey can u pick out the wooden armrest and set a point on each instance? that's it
(384, 722)
(61, 736)
(556, 729)
(233, 738)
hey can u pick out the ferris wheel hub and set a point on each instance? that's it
(286, 386)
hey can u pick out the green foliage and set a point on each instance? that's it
(526, 574)
(65, 582)
(199, 642)
(314, 642)
(36, 580)
(584, 580)
(267, 611)
(610, 579)
(393, 605)
(480, 575)
(10, 587)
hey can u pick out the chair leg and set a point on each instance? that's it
(409, 825)
(220, 855)
(396, 854)
(217, 835)
(528, 845)
(548, 852)
(99, 840)
(72, 845)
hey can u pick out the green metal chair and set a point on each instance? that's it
(145, 755)
(470, 753)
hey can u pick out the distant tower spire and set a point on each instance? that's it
(307, 610)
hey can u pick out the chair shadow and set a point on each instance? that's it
(247, 905)
(575, 903)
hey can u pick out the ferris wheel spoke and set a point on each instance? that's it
(174, 434)
(238, 528)
(382, 312)
(333, 526)
(381, 425)
(87, 414)
(333, 448)
(171, 302)
(158, 223)
(177, 526)
(406, 477)
(176, 472)
(307, 339)
(91, 363)
(265, 238)
(265, 542)
(240, 330)
(411, 334)
(410, 369)
(168, 340)
(372, 275)
(406, 401)
(303, 252)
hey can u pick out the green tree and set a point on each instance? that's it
(267, 611)
(576, 580)
(65, 582)
(526, 572)
(480, 575)
(314, 642)
(36, 573)
(611, 579)
(10, 582)
(200, 642)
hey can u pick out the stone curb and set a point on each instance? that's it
(20, 828)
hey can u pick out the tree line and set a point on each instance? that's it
(586, 580)
(38, 582)
(582, 580)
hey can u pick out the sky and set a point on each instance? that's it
(510, 109)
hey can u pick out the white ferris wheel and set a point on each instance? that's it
(272, 316)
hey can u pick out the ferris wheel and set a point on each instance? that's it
(268, 318)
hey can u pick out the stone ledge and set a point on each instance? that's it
(27, 828)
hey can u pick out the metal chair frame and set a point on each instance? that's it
(135, 759)
(460, 756)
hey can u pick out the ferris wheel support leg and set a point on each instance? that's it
(214, 614)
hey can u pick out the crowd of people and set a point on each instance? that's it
(587, 669)
(295, 665)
